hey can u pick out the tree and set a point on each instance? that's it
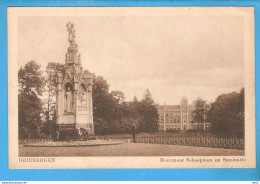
(149, 113)
(105, 108)
(134, 107)
(31, 83)
(113, 115)
(148, 99)
(30, 79)
(227, 114)
(200, 113)
(49, 102)
(119, 95)
(135, 100)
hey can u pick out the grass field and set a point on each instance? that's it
(161, 134)
(127, 149)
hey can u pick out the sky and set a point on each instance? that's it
(172, 56)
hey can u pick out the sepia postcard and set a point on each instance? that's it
(131, 87)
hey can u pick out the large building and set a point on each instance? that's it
(179, 117)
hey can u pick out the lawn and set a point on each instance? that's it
(160, 134)
(127, 149)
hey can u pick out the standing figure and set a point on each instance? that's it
(68, 100)
(71, 31)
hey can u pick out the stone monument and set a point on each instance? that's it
(74, 91)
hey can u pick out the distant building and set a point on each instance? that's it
(179, 117)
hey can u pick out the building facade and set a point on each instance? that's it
(179, 117)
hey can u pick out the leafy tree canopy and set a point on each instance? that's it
(30, 78)
(31, 83)
(227, 113)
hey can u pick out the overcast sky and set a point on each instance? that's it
(172, 56)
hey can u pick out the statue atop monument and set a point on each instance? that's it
(71, 30)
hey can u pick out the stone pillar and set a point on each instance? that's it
(59, 98)
(91, 108)
(75, 101)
